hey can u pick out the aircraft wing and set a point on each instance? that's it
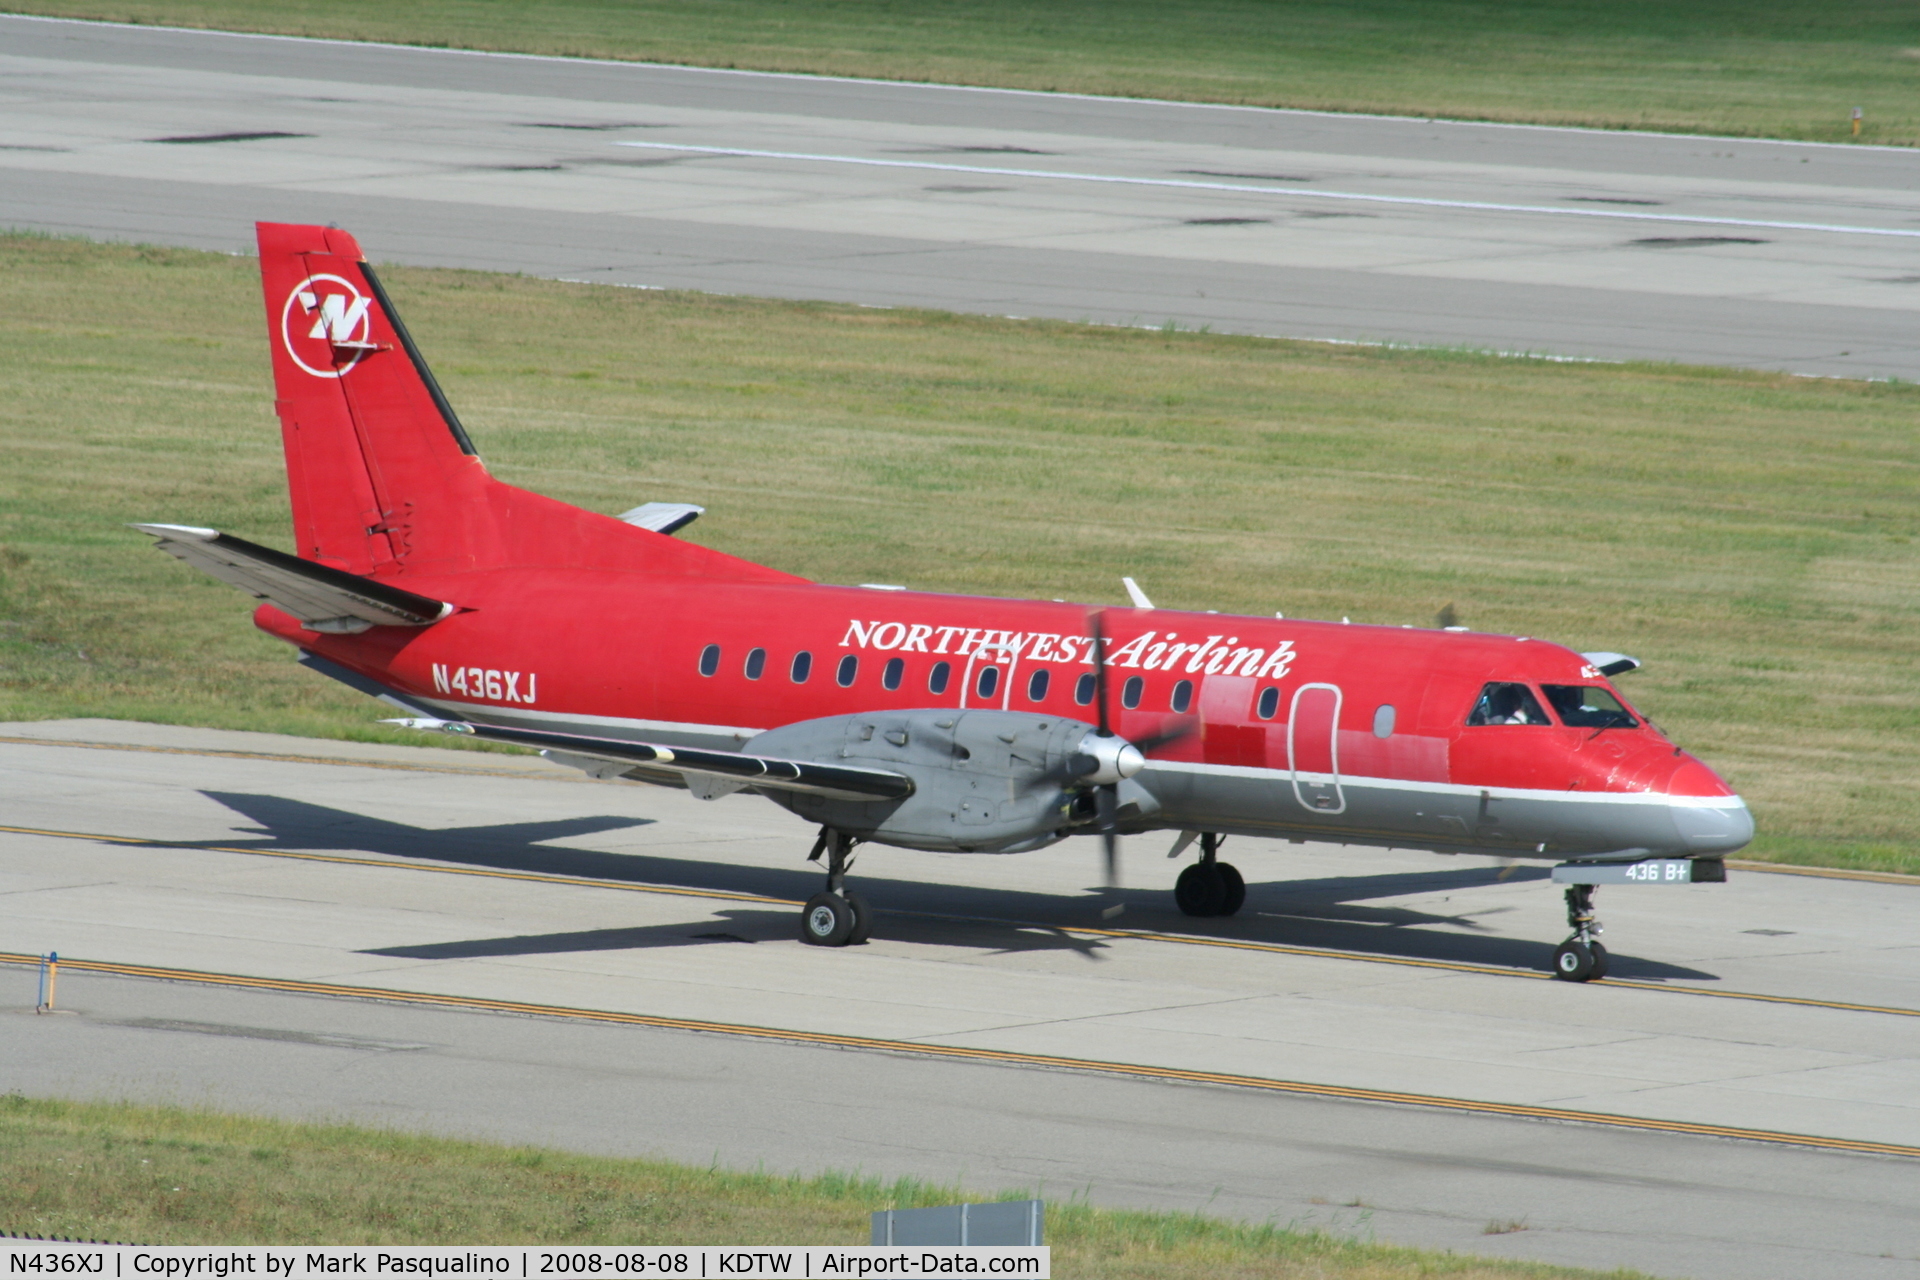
(839, 781)
(322, 597)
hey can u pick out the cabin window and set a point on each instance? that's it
(1037, 686)
(937, 678)
(802, 666)
(1586, 706)
(756, 664)
(709, 659)
(849, 668)
(989, 681)
(891, 673)
(1182, 695)
(1507, 702)
(1130, 692)
(1269, 704)
(1383, 722)
(1083, 689)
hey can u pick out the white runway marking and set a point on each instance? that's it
(1762, 254)
(1428, 202)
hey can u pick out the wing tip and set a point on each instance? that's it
(177, 531)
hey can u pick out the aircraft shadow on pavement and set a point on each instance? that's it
(1333, 912)
(507, 846)
(741, 925)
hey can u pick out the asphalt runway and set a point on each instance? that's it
(1798, 257)
(490, 878)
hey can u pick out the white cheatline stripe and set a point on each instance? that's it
(729, 738)
(1838, 228)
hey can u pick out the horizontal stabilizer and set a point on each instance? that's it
(323, 598)
(663, 517)
(1612, 664)
(839, 781)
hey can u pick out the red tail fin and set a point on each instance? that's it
(383, 477)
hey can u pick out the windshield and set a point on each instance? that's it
(1506, 702)
(1586, 706)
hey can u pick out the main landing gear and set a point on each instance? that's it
(835, 918)
(1210, 887)
(1581, 958)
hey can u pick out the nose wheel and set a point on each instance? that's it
(835, 917)
(1581, 958)
(1210, 887)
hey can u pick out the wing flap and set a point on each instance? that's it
(322, 597)
(838, 781)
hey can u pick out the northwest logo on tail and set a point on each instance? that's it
(325, 325)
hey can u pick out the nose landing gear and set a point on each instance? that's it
(1581, 958)
(1210, 887)
(835, 918)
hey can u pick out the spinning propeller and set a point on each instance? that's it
(1105, 759)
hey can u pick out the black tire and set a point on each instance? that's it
(1201, 890)
(1573, 962)
(1236, 895)
(862, 920)
(826, 920)
(1600, 958)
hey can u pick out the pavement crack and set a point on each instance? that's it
(1089, 1017)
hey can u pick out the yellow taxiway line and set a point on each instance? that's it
(997, 1056)
(1825, 873)
(1090, 931)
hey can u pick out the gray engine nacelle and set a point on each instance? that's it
(976, 777)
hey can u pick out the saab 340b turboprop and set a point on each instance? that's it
(951, 723)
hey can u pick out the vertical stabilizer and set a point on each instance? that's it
(372, 446)
(382, 475)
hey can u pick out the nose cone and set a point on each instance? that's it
(1707, 815)
(1719, 827)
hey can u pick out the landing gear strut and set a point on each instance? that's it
(1210, 887)
(1581, 958)
(835, 918)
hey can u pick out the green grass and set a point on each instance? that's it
(1750, 536)
(150, 1175)
(1759, 68)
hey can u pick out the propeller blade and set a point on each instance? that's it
(1072, 769)
(1106, 796)
(1107, 811)
(1098, 625)
(1169, 734)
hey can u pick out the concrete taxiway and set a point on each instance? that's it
(1769, 255)
(457, 873)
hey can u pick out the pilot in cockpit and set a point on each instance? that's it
(1504, 702)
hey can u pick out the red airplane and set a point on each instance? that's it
(942, 722)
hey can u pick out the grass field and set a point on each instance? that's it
(164, 1176)
(1750, 536)
(1758, 68)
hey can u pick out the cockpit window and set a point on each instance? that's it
(1586, 706)
(1505, 702)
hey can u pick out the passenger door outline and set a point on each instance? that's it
(1310, 803)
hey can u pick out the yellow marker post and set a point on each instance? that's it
(49, 975)
(1856, 121)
